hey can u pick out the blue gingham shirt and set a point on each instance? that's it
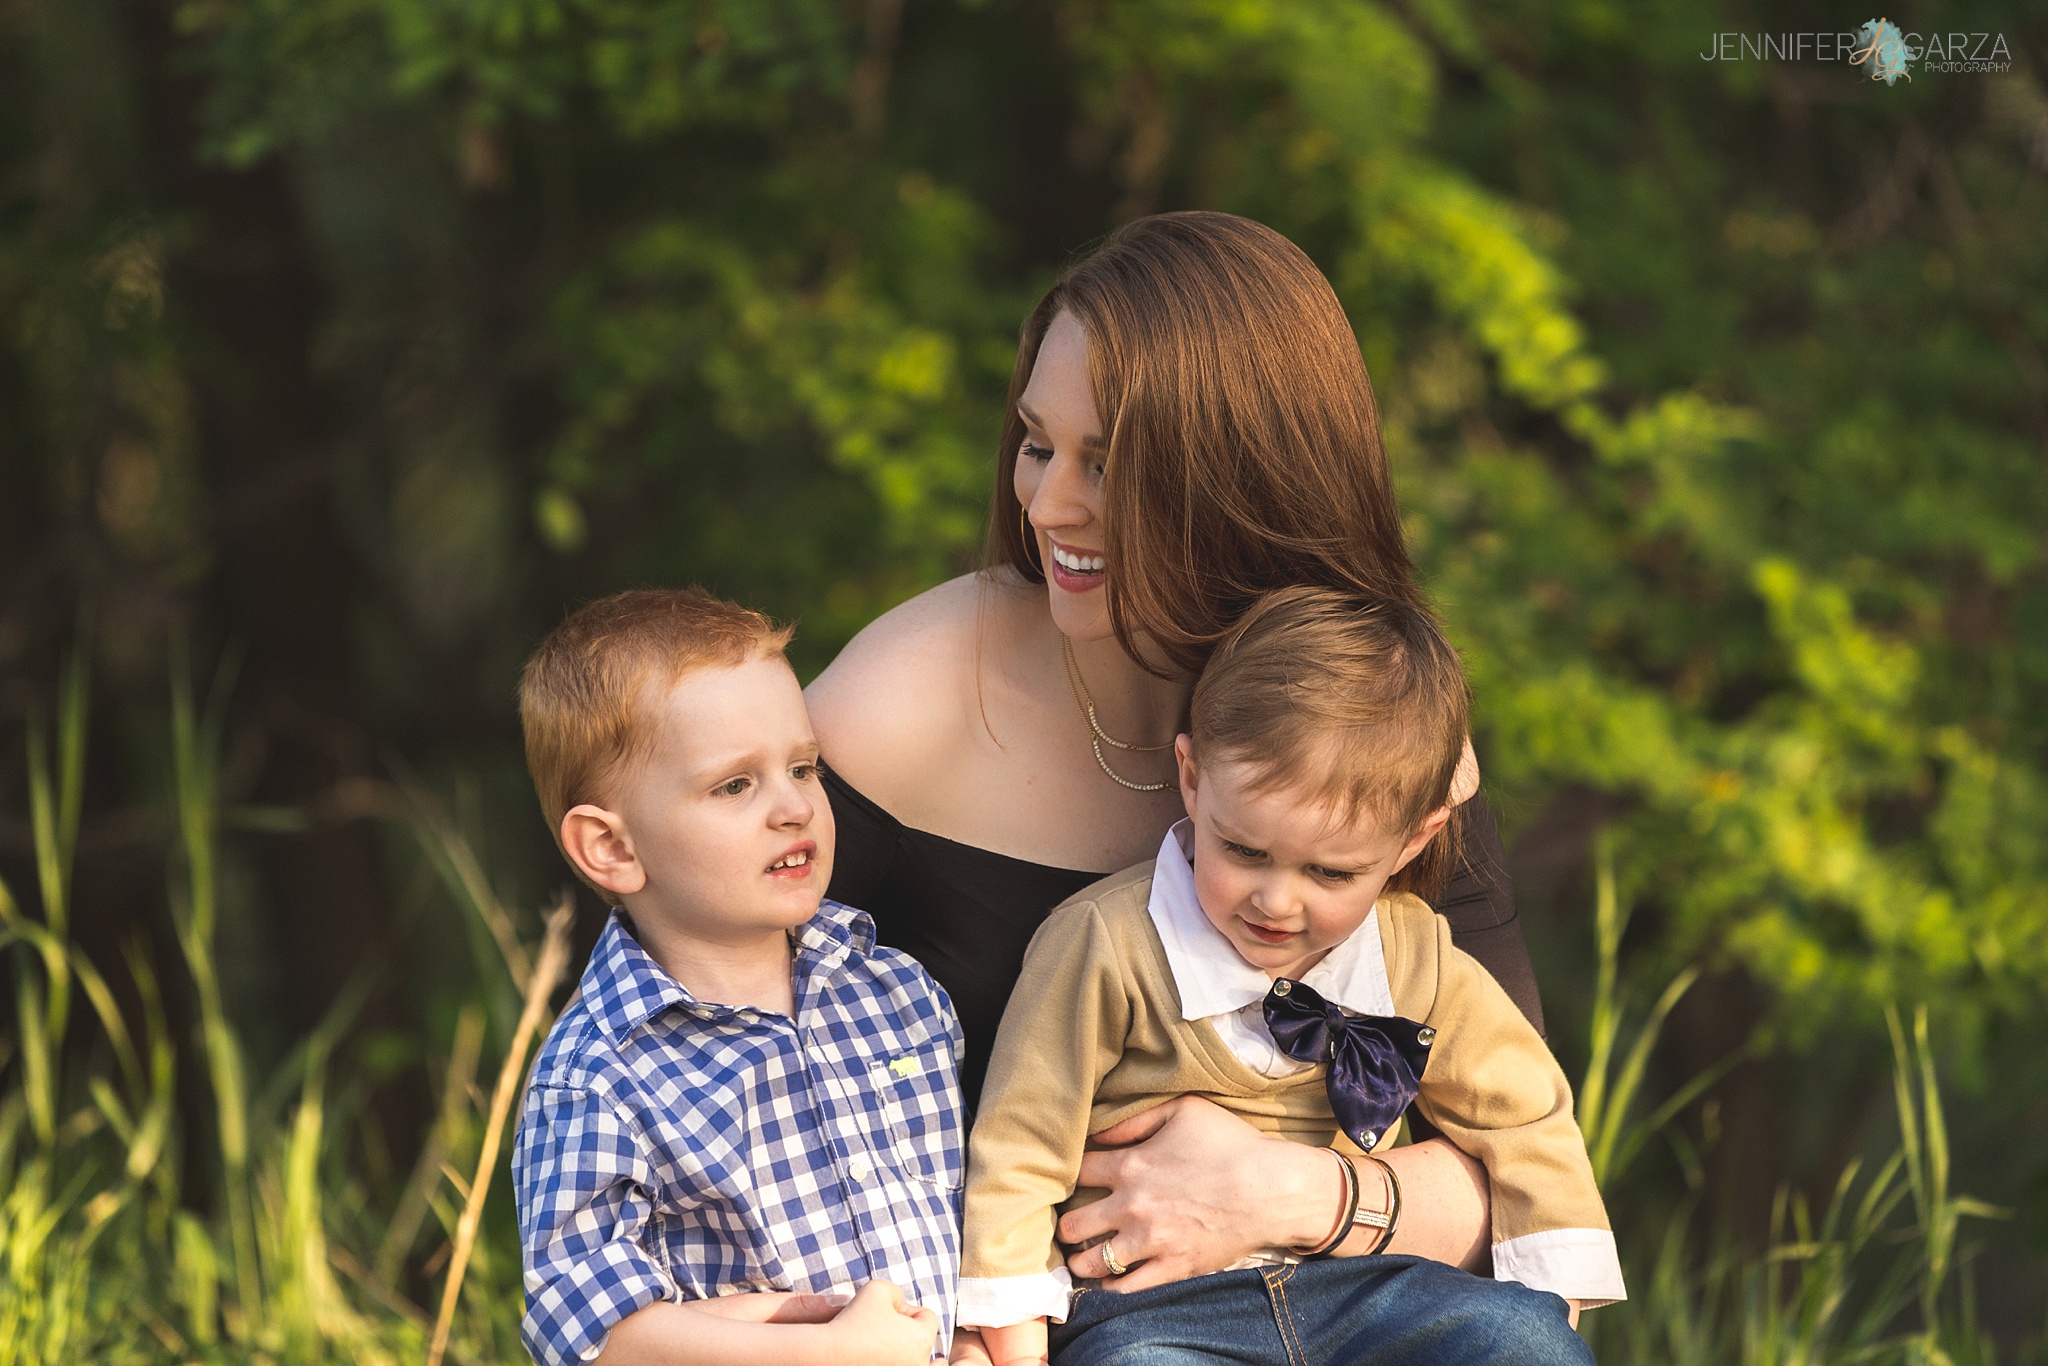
(676, 1149)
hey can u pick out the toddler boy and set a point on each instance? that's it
(750, 1109)
(1258, 963)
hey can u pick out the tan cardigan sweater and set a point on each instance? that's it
(1093, 1034)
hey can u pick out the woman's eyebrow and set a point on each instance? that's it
(1094, 443)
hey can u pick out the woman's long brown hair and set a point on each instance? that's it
(1244, 443)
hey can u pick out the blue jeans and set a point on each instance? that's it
(1353, 1311)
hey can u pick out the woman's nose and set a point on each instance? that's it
(1062, 498)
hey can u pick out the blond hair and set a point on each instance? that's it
(1346, 699)
(583, 696)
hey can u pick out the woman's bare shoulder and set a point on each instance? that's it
(903, 691)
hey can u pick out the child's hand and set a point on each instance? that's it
(968, 1349)
(1020, 1344)
(879, 1329)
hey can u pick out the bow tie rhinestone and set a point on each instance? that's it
(1376, 1062)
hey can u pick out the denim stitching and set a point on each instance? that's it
(1283, 1317)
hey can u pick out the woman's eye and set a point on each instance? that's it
(733, 788)
(1033, 451)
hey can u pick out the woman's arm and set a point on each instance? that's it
(1198, 1189)
(1479, 903)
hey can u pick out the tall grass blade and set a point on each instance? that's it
(197, 1278)
(195, 756)
(441, 837)
(412, 1210)
(554, 957)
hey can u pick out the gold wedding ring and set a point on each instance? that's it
(1109, 1261)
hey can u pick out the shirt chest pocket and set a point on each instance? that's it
(920, 1104)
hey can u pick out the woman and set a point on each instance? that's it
(1190, 425)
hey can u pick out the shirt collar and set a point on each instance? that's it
(624, 987)
(1209, 974)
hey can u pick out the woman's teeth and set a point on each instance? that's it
(796, 860)
(1077, 564)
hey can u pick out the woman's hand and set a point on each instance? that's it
(1196, 1190)
(1193, 1189)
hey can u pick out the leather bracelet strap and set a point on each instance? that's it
(1348, 1221)
(1388, 1221)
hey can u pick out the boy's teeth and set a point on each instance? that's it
(1077, 564)
(792, 861)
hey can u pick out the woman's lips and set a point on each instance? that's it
(1073, 579)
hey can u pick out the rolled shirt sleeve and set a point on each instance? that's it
(584, 1209)
(1576, 1263)
(999, 1301)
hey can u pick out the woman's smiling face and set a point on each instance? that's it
(1059, 479)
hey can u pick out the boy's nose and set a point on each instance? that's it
(1273, 903)
(792, 807)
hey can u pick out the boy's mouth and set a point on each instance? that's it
(794, 864)
(1267, 935)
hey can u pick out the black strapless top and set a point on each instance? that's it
(967, 914)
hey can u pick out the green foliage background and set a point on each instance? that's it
(357, 339)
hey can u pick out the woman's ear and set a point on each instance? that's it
(597, 842)
(1424, 833)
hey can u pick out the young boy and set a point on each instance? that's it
(749, 1109)
(1258, 962)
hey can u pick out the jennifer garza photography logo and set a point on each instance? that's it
(1879, 47)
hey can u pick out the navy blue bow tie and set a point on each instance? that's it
(1376, 1061)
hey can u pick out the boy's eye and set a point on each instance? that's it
(805, 772)
(1236, 850)
(1333, 875)
(1034, 451)
(732, 788)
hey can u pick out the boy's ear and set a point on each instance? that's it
(1184, 763)
(597, 842)
(1424, 833)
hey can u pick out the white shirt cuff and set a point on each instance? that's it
(999, 1301)
(1575, 1263)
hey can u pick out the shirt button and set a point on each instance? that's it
(860, 1169)
(1425, 1036)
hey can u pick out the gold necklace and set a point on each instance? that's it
(1098, 736)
